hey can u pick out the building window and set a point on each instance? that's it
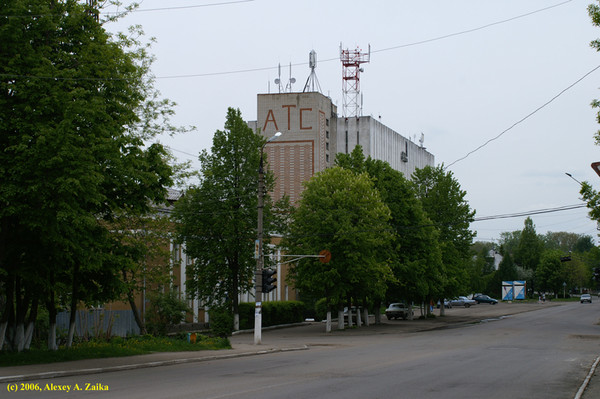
(327, 134)
(176, 253)
(346, 141)
(326, 121)
(327, 146)
(327, 158)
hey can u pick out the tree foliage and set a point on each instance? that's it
(445, 204)
(76, 106)
(414, 253)
(551, 272)
(217, 219)
(530, 248)
(342, 212)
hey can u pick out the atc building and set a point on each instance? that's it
(313, 134)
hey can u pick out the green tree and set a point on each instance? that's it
(509, 242)
(142, 257)
(444, 203)
(217, 219)
(551, 272)
(342, 212)
(76, 108)
(529, 250)
(565, 241)
(584, 243)
(589, 194)
(414, 253)
(481, 265)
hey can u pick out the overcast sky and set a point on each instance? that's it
(461, 72)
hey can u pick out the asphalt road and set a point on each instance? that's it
(545, 353)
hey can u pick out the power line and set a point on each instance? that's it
(526, 117)
(530, 213)
(259, 69)
(471, 30)
(225, 3)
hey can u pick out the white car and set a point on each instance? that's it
(462, 301)
(397, 310)
(585, 298)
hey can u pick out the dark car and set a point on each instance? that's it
(485, 299)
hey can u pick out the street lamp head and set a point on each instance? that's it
(571, 176)
(274, 137)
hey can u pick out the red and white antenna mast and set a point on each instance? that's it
(351, 69)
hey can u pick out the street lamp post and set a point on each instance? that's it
(571, 176)
(259, 247)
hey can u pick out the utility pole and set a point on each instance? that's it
(260, 258)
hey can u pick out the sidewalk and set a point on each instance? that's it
(299, 337)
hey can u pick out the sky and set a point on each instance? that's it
(501, 90)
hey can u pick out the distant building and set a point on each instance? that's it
(313, 135)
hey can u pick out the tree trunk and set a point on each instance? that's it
(52, 312)
(328, 323)
(341, 318)
(358, 317)
(350, 323)
(73, 310)
(6, 315)
(31, 323)
(3, 326)
(443, 307)
(20, 337)
(366, 314)
(136, 313)
(235, 299)
(21, 306)
(378, 312)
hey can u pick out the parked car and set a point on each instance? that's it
(485, 299)
(462, 301)
(585, 298)
(397, 310)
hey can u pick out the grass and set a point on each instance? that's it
(115, 347)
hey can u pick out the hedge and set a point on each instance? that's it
(273, 313)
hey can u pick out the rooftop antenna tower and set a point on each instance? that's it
(288, 87)
(278, 80)
(312, 83)
(351, 69)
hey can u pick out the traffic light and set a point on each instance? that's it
(268, 280)
(596, 275)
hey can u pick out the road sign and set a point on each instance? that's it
(596, 167)
(324, 256)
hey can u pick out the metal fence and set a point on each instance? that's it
(100, 323)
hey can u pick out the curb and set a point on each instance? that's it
(70, 373)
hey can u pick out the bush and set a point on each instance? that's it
(165, 309)
(220, 321)
(321, 309)
(273, 313)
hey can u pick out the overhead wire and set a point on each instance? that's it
(135, 10)
(259, 69)
(525, 117)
